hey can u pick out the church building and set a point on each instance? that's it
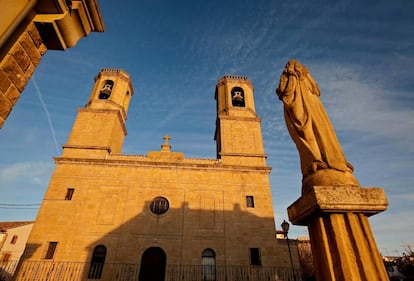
(112, 216)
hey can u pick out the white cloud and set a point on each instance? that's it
(23, 183)
(405, 197)
(37, 173)
(391, 227)
(357, 103)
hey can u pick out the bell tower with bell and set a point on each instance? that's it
(99, 128)
(238, 133)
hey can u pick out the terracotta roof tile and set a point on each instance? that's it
(5, 225)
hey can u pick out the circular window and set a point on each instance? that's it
(159, 206)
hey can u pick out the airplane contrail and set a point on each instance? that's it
(49, 119)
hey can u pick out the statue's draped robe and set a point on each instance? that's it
(309, 125)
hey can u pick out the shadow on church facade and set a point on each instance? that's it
(170, 247)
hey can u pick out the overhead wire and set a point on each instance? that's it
(21, 206)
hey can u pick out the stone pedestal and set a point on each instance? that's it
(343, 245)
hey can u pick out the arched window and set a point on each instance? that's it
(97, 262)
(237, 97)
(208, 265)
(106, 90)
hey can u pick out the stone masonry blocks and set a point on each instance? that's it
(17, 67)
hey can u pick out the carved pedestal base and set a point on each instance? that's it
(343, 245)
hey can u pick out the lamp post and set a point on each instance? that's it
(285, 228)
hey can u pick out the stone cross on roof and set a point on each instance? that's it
(166, 146)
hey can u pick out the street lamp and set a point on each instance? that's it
(285, 228)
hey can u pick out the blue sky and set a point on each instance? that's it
(361, 53)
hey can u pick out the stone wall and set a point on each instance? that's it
(17, 67)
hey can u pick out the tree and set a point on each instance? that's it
(401, 268)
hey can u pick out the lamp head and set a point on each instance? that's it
(285, 226)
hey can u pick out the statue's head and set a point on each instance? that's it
(290, 66)
(295, 67)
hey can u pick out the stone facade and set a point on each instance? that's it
(17, 67)
(28, 28)
(134, 207)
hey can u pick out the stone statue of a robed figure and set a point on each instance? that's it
(333, 205)
(311, 130)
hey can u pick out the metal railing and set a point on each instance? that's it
(7, 269)
(79, 271)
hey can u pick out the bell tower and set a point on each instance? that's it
(238, 133)
(99, 128)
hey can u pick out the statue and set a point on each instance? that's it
(308, 123)
(333, 205)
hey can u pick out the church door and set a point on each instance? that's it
(153, 264)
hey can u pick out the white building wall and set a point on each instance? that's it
(15, 250)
